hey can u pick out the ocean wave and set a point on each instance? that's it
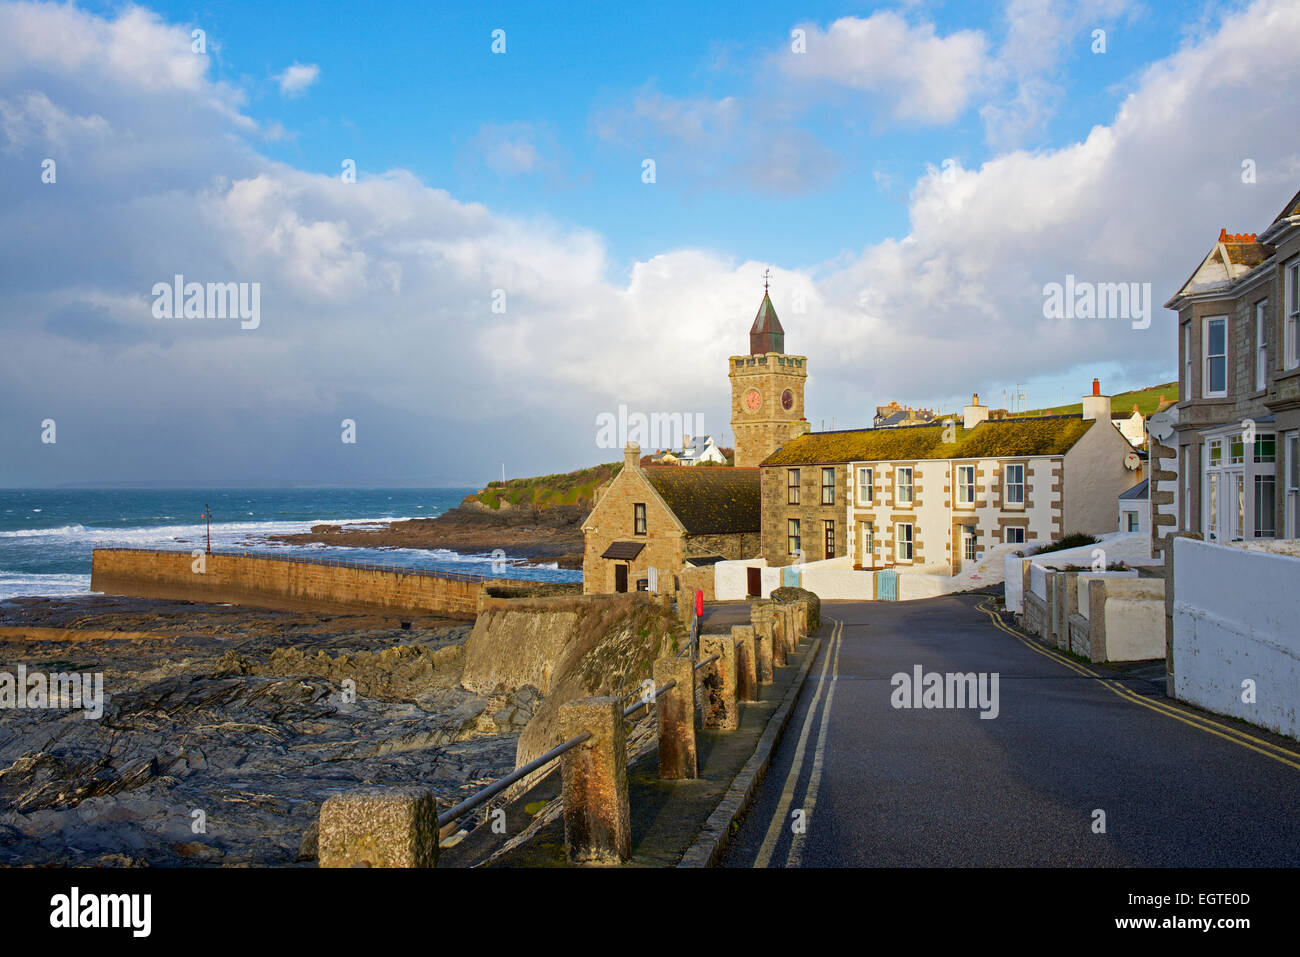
(100, 534)
(30, 585)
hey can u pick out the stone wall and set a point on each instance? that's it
(276, 583)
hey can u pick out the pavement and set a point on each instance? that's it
(1082, 765)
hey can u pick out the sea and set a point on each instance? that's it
(47, 535)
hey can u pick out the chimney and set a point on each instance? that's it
(974, 413)
(632, 456)
(1096, 406)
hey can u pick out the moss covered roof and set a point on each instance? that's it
(710, 500)
(1000, 438)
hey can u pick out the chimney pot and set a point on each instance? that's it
(1096, 386)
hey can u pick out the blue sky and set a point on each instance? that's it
(413, 86)
(915, 177)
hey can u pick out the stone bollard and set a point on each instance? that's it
(676, 713)
(719, 708)
(801, 612)
(780, 648)
(597, 825)
(763, 615)
(763, 652)
(746, 662)
(379, 827)
(685, 606)
(594, 774)
(786, 611)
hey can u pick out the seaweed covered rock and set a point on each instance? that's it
(802, 594)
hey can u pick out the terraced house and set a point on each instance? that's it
(1238, 422)
(649, 524)
(934, 496)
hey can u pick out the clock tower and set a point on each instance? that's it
(766, 390)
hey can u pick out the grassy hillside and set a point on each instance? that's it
(544, 491)
(1146, 400)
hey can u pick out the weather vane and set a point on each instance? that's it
(767, 273)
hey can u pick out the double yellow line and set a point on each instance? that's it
(1226, 732)
(776, 826)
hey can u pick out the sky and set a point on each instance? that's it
(473, 229)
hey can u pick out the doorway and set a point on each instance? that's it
(754, 582)
(620, 578)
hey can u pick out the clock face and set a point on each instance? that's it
(753, 400)
(787, 400)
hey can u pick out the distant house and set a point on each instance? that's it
(1132, 425)
(1135, 509)
(939, 496)
(699, 450)
(648, 523)
(894, 415)
(666, 457)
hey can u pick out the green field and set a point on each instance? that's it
(1146, 400)
(543, 491)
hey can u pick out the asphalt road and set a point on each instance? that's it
(871, 784)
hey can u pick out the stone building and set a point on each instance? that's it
(766, 391)
(1237, 434)
(649, 524)
(940, 495)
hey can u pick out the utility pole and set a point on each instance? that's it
(207, 514)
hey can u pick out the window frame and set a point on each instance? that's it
(828, 488)
(1207, 357)
(899, 542)
(638, 518)
(793, 538)
(869, 485)
(1261, 345)
(1291, 316)
(899, 501)
(1018, 529)
(792, 486)
(963, 486)
(1008, 485)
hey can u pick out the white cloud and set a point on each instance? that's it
(295, 80)
(377, 295)
(917, 74)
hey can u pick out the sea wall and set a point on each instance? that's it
(280, 583)
(566, 648)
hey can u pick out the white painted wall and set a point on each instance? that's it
(1135, 618)
(1235, 618)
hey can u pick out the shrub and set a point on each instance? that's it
(802, 594)
(1073, 540)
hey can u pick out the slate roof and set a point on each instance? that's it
(624, 550)
(996, 438)
(1292, 208)
(766, 334)
(710, 500)
(1137, 492)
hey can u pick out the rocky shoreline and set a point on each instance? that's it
(540, 535)
(226, 727)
